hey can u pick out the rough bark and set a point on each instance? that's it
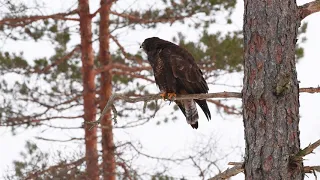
(108, 165)
(88, 90)
(270, 93)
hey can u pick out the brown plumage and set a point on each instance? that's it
(176, 72)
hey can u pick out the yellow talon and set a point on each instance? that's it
(163, 95)
(172, 96)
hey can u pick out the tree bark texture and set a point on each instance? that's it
(88, 90)
(271, 90)
(108, 165)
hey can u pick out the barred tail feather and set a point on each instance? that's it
(189, 109)
(191, 113)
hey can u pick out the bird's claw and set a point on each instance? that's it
(163, 95)
(171, 96)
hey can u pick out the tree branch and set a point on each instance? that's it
(309, 8)
(239, 167)
(306, 151)
(147, 98)
(311, 169)
(228, 173)
(151, 97)
(56, 140)
(310, 90)
(22, 21)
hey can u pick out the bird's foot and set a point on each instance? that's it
(171, 96)
(163, 95)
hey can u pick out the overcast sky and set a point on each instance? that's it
(174, 137)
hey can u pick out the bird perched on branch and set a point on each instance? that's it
(176, 72)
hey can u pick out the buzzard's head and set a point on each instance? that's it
(150, 44)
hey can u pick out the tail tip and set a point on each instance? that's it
(195, 125)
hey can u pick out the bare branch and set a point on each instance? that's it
(310, 90)
(22, 21)
(238, 168)
(124, 97)
(311, 169)
(57, 140)
(304, 152)
(228, 173)
(309, 8)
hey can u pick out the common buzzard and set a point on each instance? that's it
(176, 72)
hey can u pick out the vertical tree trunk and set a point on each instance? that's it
(270, 93)
(108, 166)
(88, 90)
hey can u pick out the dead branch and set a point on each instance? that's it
(311, 169)
(57, 140)
(309, 8)
(310, 90)
(228, 173)
(306, 151)
(22, 21)
(101, 7)
(239, 167)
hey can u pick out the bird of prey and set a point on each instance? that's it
(176, 72)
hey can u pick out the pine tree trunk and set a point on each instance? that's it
(108, 166)
(270, 93)
(88, 90)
